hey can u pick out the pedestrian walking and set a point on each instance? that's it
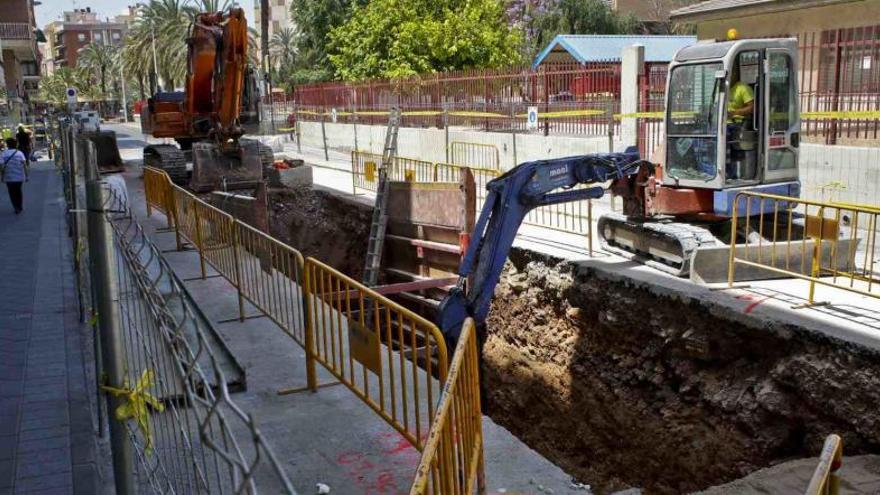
(23, 136)
(14, 172)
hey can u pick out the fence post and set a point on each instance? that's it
(513, 131)
(199, 246)
(632, 64)
(309, 340)
(324, 134)
(446, 128)
(236, 259)
(102, 256)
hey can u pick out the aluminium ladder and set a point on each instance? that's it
(376, 241)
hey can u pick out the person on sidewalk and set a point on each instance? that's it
(14, 172)
(23, 136)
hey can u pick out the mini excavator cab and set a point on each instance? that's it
(732, 117)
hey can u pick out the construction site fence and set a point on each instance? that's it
(452, 461)
(573, 218)
(838, 83)
(476, 155)
(166, 378)
(388, 356)
(825, 479)
(830, 244)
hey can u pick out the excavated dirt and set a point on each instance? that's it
(321, 224)
(623, 386)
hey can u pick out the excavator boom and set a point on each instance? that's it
(510, 197)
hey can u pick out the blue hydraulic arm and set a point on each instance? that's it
(511, 196)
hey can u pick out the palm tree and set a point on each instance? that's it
(98, 59)
(283, 46)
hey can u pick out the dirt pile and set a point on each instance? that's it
(321, 224)
(622, 387)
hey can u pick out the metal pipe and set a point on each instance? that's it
(101, 255)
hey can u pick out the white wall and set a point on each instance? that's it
(856, 169)
(430, 144)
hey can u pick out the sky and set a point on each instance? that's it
(50, 10)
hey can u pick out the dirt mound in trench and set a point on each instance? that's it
(622, 387)
(321, 224)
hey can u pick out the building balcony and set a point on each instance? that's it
(16, 31)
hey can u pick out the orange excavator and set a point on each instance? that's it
(208, 118)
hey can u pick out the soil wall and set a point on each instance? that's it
(623, 386)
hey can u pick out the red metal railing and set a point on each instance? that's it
(839, 73)
(572, 98)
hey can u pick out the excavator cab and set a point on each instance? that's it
(732, 116)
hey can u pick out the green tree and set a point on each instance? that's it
(98, 59)
(315, 19)
(398, 38)
(580, 17)
(53, 88)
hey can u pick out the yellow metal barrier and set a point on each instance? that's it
(447, 172)
(830, 244)
(825, 480)
(270, 277)
(475, 155)
(390, 357)
(411, 170)
(365, 170)
(452, 461)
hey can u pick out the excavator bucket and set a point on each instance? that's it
(107, 150)
(226, 170)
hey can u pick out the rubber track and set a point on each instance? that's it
(170, 159)
(687, 237)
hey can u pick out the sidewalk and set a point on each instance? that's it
(47, 393)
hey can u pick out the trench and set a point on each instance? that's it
(625, 386)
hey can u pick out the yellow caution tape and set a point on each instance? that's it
(873, 114)
(566, 113)
(287, 129)
(136, 408)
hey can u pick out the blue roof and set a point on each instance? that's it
(598, 47)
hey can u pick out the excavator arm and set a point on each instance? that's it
(510, 197)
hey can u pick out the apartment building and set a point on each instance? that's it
(279, 17)
(75, 30)
(20, 59)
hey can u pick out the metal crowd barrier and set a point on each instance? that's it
(825, 480)
(475, 155)
(452, 461)
(824, 243)
(390, 357)
(573, 218)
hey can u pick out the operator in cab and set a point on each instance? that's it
(740, 100)
(740, 123)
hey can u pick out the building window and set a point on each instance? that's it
(81, 37)
(849, 59)
(276, 26)
(98, 37)
(29, 69)
(116, 36)
(281, 3)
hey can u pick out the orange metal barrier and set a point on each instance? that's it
(390, 357)
(829, 244)
(825, 480)
(452, 461)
